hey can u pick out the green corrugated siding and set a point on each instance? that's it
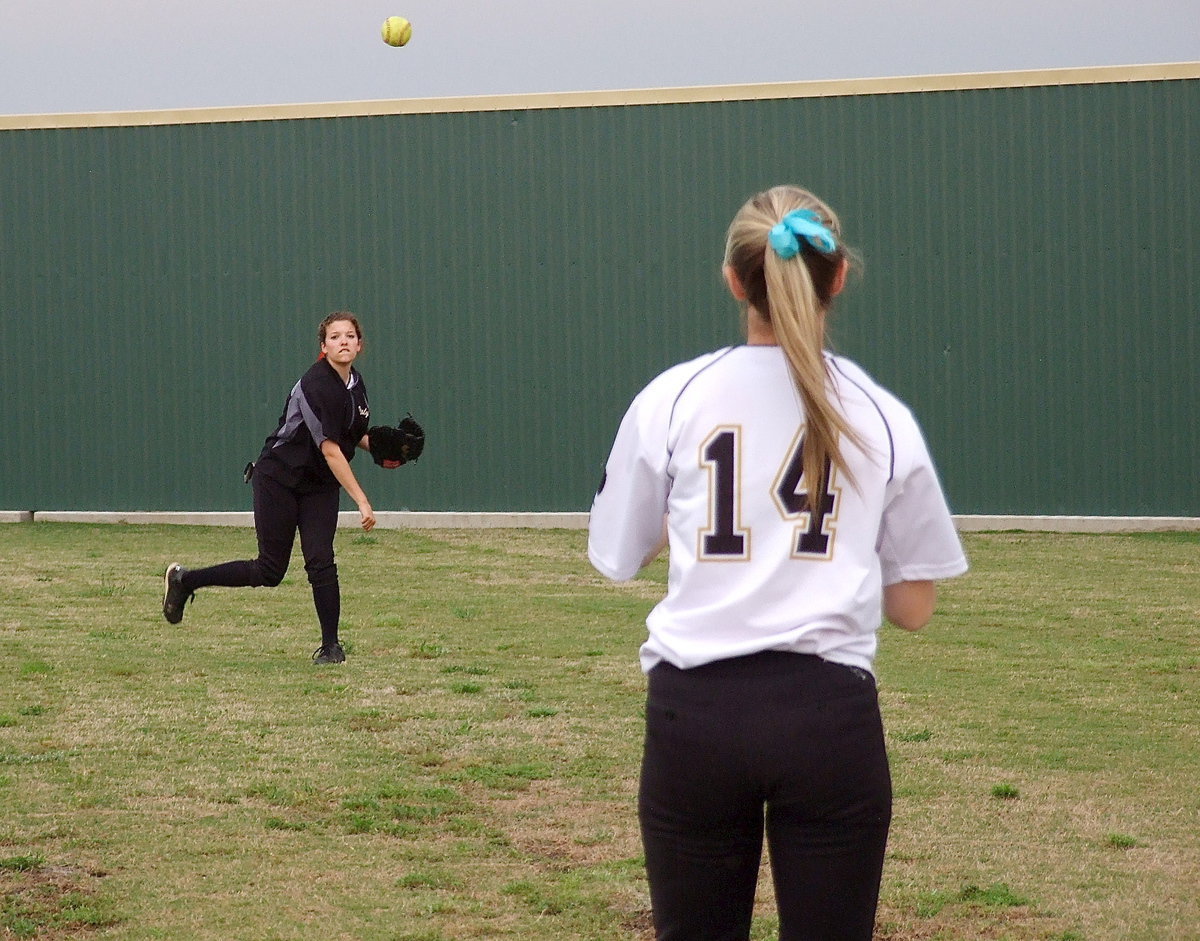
(1030, 288)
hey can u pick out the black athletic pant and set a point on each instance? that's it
(279, 513)
(794, 735)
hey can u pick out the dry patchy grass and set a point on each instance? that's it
(471, 772)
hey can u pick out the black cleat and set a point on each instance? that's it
(329, 653)
(174, 597)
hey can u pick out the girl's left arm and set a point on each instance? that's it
(909, 604)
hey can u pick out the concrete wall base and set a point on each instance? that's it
(416, 520)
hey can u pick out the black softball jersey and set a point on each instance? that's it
(320, 407)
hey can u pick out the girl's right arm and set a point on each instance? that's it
(345, 476)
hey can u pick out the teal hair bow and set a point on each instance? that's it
(801, 223)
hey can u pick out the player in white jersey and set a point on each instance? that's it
(800, 505)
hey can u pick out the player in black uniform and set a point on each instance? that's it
(297, 479)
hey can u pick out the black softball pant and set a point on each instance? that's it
(794, 736)
(279, 513)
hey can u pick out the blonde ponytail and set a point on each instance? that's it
(792, 292)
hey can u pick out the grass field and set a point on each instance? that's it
(470, 772)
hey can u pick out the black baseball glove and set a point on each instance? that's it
(394, 447)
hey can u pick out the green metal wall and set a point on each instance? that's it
(1030, 288)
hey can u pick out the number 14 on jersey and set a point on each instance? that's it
(725, 539)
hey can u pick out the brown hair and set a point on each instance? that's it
(793, 296)
(333, 318)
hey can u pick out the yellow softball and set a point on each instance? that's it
(396, 31)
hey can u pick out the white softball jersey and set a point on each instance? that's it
(757, 563)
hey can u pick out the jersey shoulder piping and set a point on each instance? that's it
(882, 417)
(692, 378)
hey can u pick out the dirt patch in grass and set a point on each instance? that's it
(640, 925)
(51, 902)
(550, 822)
(1020, 924)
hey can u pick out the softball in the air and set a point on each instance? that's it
(396, 31)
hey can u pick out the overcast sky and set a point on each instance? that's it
(123, 55)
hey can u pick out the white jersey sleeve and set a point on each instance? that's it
(917, 538)
(918, 541)
(630, 506)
